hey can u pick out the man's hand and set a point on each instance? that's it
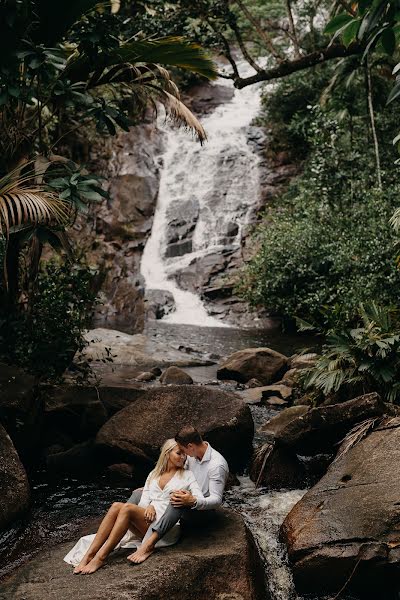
(181, 498)
(150, 514)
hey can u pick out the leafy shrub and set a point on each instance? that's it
(364, 358)
(44, 336)
(313, 259)
(328, 243)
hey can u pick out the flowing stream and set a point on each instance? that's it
(218, 184)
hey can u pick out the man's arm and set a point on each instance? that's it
(218, 477)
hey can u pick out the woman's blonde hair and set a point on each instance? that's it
(162, 462)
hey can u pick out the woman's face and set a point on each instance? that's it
(177, 457)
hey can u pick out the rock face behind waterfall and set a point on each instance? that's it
(215, 563)
(350, 520)
(137, 432)
(14, 487)
(114, 236)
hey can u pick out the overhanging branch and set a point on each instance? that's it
(299, 64)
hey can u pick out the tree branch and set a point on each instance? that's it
(243, 48)
(299, 64)
(292, 29)
(263, 34)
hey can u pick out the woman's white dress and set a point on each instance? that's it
(157, 497)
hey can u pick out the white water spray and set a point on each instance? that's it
(222, 177)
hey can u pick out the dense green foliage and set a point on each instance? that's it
(327, 245)
(44, 336)
(361, 359)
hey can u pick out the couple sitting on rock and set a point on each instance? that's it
(189, 478)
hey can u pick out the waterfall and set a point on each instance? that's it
(219, 182)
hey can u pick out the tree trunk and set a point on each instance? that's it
(373, 128)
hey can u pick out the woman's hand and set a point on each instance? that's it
(150, 513)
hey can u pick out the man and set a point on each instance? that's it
(211, 471)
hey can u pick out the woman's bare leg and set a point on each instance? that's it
(145, 550)
(127, 514)
(102, 534)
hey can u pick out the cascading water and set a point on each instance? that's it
(222, 180)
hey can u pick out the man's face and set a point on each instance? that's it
(189, 450)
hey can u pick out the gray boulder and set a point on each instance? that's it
(346, 528)
(263, 364)
(14, 486)
(175, 376)
(136, 433)
(203, 566)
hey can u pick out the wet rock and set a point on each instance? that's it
(277, 468)
(114, 398)
(260, 363)
(275, 401)
(79, 460)
(278, 423)
(202, 566)
(136, 433)
(21, 410)
(251, 395)
(253, 383)
(159, 303)
(175, 376)
(14, 486)
(135, 350)
(319, 429)
(76, 410)
(146, 376)
(291, 377)
(277, 390)
(346, 528)
(205, 97)
(121, 473)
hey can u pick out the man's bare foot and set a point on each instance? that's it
(85, 560)
(141, 554)
(95, 564)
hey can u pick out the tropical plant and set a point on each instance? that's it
(45, 337)
(364, 358)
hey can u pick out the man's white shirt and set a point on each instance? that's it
(211, 473)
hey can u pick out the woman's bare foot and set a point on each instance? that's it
(85, 560)
(141, 554)
(93, 566)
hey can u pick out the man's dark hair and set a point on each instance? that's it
(188, 435)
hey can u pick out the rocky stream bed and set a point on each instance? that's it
(94, 445)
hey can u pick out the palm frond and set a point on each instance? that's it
(181, 115)
(22, 204)
(167, 51)
(355, 435)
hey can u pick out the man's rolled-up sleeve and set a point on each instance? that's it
(217, 481)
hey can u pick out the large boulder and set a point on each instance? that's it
(74, 410)
(20, 408)
(202, 566)
(14, 486)
(346, 528)
(318, 429)
(263, 364)
(137, 432)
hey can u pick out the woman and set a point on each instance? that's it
(126, 525)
